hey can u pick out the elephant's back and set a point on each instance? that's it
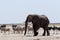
(44, 19)
(40, 17)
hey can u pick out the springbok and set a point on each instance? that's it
(4, 29)
(14, 27)
(30, 29)
(17, 29)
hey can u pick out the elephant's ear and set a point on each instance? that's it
(30, 18)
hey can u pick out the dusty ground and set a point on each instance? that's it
(27, 37)
(53, 36)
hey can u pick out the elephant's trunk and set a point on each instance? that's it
(25, 27)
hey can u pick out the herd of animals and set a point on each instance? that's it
(18, 29)
(38, 21)
(15, 29)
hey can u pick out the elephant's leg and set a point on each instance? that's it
(48, 31)
(44, 32)
(35, 31)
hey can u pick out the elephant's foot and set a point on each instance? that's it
(48, 34)
(35, 34)
(43, 34)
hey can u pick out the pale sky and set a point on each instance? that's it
(16, 11)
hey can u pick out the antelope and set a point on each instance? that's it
(4, 29)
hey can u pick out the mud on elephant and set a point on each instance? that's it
(38, 21)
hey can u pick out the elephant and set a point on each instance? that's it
(38, 21)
